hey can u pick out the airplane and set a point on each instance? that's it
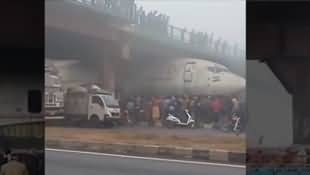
(183, 76)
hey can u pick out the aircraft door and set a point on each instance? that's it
(213, 79)
(188, 77)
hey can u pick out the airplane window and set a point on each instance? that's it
(211, 69)
(217, 70)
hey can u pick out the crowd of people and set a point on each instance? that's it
(215, 111)
(158, 24)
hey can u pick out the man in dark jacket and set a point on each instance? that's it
(131, 111)
(196, 111)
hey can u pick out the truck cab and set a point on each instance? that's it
(103, 107)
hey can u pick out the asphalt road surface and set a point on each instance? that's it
(64, 163)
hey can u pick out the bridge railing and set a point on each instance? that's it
(157, 26)
(278, 160)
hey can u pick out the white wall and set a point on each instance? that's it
(14, 98)
(270, 107)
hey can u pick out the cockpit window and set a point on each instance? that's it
(221, 70)
(216, 69)
(212, 69)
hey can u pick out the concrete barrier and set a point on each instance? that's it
(166, 150)
(119, 148)
(183, 152)
(218, 155)
(237, 157)
(201, 154)
(150, 150)
(93, 147)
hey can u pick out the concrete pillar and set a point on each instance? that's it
(269, 108)
(124, 57)
(301, 108)
(106, 70)
(108, 75)
(112, 66)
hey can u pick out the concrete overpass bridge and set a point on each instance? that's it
(92, 32)
(278, 35)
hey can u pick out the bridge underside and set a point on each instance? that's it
(278, 34)
(67, 17)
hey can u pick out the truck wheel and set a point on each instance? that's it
(94, 121)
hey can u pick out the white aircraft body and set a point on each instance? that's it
(183, 76)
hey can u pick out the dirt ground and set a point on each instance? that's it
(196, 138)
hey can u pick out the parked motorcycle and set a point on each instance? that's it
(236, 127)
(182, 119)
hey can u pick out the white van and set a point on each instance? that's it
(93, 105)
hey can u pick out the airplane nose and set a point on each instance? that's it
(241, 84)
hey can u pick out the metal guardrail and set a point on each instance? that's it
(283, 161)
(282, 171)
(158, 27)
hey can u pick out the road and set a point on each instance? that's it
(77, 163)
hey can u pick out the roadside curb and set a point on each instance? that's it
(214, 155)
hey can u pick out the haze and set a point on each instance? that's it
(225, 18)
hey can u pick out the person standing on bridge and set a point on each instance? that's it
(126, 8)
(139, 15)
(143, 19)
(134, 15)
(224, 48)
(164, 21)
(217, 46)
(93, 2)
(183, 31)
(204, 40)
(235, 50)
(192, 37)
(210, 41)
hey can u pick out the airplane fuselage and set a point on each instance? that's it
(184, 76)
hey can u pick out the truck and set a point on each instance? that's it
(54, 91)
(91, 105)
(54, 96)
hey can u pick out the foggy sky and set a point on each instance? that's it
(225, 18)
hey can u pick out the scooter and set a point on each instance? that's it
(236, 123)
(173, 120)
